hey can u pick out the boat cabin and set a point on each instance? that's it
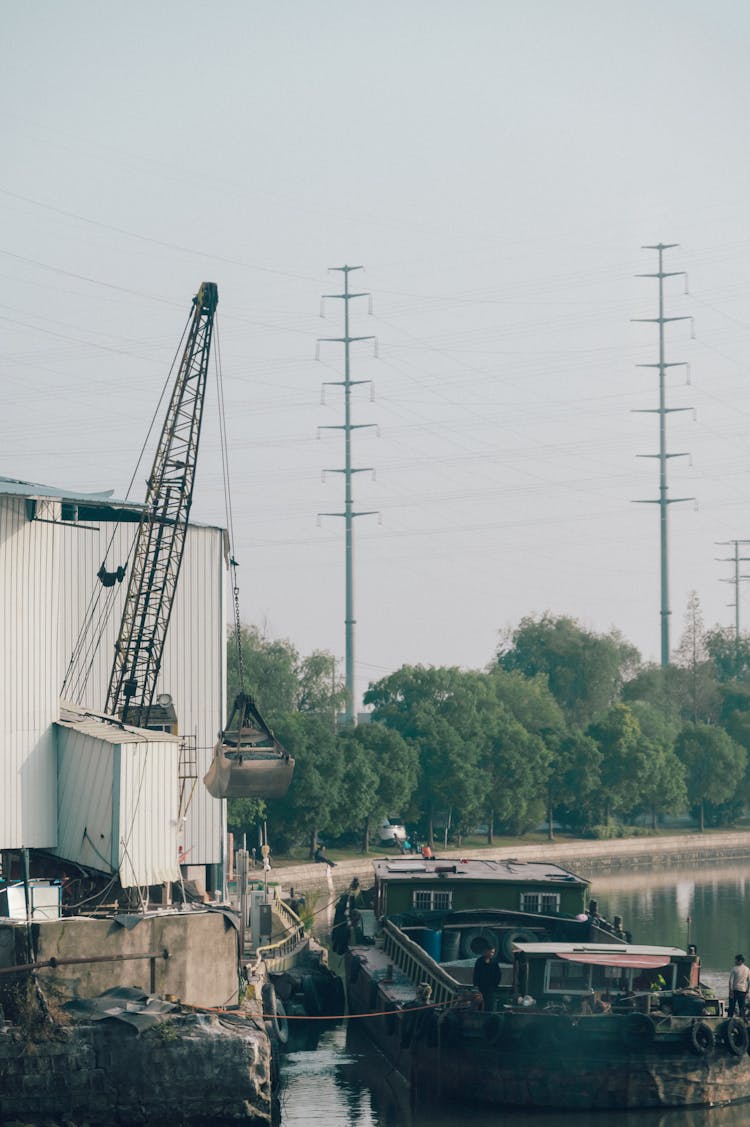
(417, 884)
(570, 973)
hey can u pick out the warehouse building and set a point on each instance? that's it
(111, 797)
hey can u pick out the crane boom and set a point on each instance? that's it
(160, 540)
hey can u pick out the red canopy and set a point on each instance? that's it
(639, 962)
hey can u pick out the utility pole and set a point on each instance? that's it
(663, 500)
(736, 559)
(349, 514)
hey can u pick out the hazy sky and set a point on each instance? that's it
(495, 167)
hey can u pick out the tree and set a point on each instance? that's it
(281, 681)
(584, 671)
(313, 802)
(729, 653)
(624, 758)
(714, 765)
(383, 768)
(692, 655)
(515, 766)
(439, 711)
(530, 703)
(574, 781)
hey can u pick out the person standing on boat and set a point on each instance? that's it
(487, 975)
(739, 984)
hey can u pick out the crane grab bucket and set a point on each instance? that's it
(249, 762)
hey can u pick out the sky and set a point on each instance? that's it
(495, 168)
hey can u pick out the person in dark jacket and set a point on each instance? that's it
(487, 976)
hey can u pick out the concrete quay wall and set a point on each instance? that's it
(190, 1070)
(586, 858)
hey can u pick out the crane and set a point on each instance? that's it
(160, 540)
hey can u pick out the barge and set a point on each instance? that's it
(582, 1018)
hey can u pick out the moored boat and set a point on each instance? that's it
(582, 1020)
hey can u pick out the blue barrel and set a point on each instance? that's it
(451, 945)
(430, 940)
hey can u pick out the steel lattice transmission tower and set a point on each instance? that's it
(736, 559)
(663, 500)
(349, 514)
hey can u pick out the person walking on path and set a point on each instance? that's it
(739, 984)
(487, 976)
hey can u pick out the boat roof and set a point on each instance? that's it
(617, 950)
(508, 870)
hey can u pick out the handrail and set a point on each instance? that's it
(271, 952)
(418, 966)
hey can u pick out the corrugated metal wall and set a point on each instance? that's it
(118, 806)
(147, 845)
(85, 800)
(194, 665)
(29, 645)
(47, 576)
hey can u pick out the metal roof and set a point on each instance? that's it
(15, 487)
(505, 871)
(107, 728)
(614, 949)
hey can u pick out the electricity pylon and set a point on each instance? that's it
(736, 559)
(663, 500)
(349, 514)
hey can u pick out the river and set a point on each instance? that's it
(343, 1082)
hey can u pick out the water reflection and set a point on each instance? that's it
(337, 1079)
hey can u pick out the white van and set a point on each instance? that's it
(391, 832)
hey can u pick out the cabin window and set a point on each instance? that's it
(543, 902)
(566, 978)
(432, 900)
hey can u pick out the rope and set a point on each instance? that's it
(90, 635)
(224, 443)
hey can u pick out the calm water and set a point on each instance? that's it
(342, 1082)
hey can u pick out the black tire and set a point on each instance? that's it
(515, 935)
(274, 1015)
(734, 1035)
(476, 940)
(332, 995)
(702, 1038)
(284, 985)
(311, 994)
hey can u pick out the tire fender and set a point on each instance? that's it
(702, 1038)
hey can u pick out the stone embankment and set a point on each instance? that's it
(587, 858)
(193, 1069)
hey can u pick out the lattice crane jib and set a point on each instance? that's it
(160, 540)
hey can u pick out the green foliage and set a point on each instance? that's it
(624, 759)
(730, 655)
(280, 680)
(381, 770)
(439, 711)
(584, 671)
(313, 803)
(714, 765)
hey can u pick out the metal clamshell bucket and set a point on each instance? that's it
(249, 762)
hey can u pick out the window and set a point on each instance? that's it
(566, 978)
(431, 900)
(544, 902)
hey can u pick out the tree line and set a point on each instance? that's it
(565, 727)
